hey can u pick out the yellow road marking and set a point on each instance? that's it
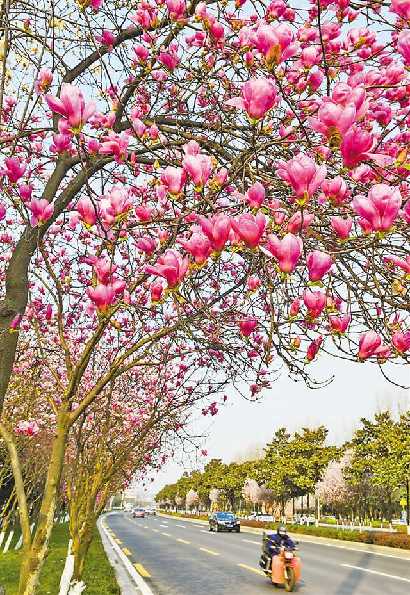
(252, 569)
(183, 541)
(142, 571)
(126, 551)
(166, 534)
(203, 549)
(118, 541)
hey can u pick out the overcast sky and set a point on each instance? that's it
(358, 390)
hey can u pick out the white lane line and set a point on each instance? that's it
(208, 532)
(393, 576)
(163, 525)
(166, 534)
(250, 541)
(182, 526)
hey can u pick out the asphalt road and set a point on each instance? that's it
(183, 558)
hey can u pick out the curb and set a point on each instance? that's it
(366, 548)
(141, 586)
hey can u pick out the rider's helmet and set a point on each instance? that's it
(281, 530)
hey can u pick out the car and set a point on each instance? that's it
(150, 511)
(224, 521)
(138, 513)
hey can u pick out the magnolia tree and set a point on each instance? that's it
(191, 499)
(222, 184)
(252, 492)
(333, 489)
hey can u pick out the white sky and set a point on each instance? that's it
(359, 390)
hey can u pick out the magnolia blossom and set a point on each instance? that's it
(250, 228)
(369, 342)
(302, 174)
(217, 230)
(72, 106)
(171, 266)
(251, 491)
(380, 208)
(287, 251)
(258, 97)
(318, 263)
(247, 326)
(41, 211)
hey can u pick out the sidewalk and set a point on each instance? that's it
(378, 550)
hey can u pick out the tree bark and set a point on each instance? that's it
(34, 560)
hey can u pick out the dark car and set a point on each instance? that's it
(224, 521)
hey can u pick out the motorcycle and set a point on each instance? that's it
(286, 569)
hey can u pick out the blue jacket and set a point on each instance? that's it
(276, 541)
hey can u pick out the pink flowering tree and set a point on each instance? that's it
(333, 490)
(223, 184)
(252, 492)
(191, 499)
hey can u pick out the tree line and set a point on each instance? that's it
(367, 478)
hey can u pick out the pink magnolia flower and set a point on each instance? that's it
(315, 302)
(106, 38)
(115, 204)
(399, 262)
(87, 211)
(406, 212)
(146, 244)
(41, 211)
(401, 8)
(294, 308)
(169, 59)
(247, 326)
(72, 106)
(199, 246)
(176, 9)
(141, 52)
(368, 344)
(253, 283)
(287, 251)
(199, 168)
(380, 208)
(341, 226)
(275, 43)
(216, 230)
(333, 118)
(356, 147)
(104, 269)
(27, 428)
(171, 266)
(318, 263)
(14, 169)
(302, 174)
(249, 228)
(401, 341)
(173, 178)
(43, 81)
(300, 221)
(259, 95)
(2, 211)
(102, 296)
(157, 289)
(255, 195)
(314, 348)
(115, 144)
(339, 324)
(403, 45)
(61, 143)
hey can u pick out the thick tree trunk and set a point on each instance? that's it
(34, 559)
(81, 545)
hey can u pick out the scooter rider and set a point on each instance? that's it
(272, 544)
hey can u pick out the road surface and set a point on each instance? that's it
(183, 558)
